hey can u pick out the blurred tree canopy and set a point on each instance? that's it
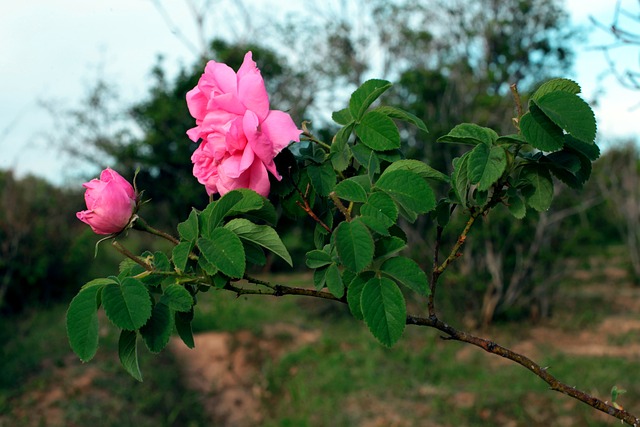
(453, 61)
(44, 249)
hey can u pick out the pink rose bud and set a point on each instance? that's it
(110, 200)
(240, 134)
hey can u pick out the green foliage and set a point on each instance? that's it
(224, 251)
(127, 304)
(82, 321)
(366, 95)
(261, 235)
(128, 353)
(378, 132)
(356, 190)
(354, 245)
(383, 309)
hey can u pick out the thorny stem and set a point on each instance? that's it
(542, 373)
(455, 254)
(343, 210)
(124, 251)
(310, 137)
(518, 101)
(305, 206)
(141, 224)
(434, 273)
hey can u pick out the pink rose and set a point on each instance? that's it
(240, 134)
(110, 200)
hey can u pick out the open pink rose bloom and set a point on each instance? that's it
(240, 134)
(110, 200)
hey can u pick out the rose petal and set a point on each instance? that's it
(251, 90)
(220, 77)
(280, 129)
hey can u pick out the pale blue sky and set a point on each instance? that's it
(51, 49)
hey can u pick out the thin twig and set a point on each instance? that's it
(336, 201)
(542, 373)
(142, 225)
(124, 251)
(462, 238)
(305, 206)
(435, 275)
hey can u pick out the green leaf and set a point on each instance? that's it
(224, 251)
(511, 139)
(388, 246)
(340, 151)
(351, 190)
(183, 326)
(570, 166)
(354, 244)
(375, 224)
(555, 85)
(342, 117)
(460, 178)
(424, 170)
(571, 113)
(254, 253)
(188, 229)
(537, 187)
(177, 298)
(311, 151)
(469, 133)
(128, 353)
(591, 151)
(334, 281)
(323, 178)
(207, 267)
(127, 305)
(317, 258)
(378, 132)
(261, 235)
(320, 278)
(213, 214)
(408, 190)
(354, 293)
(382, 207)
(384, 309)
(82, 321)
(486, 165)
(128, 268)
(365, 95)
(367, 158)
(250, 201)
(180, 255)
(406, 272)
(516, 206)
(397, 113)
(540, 131)
(161, 262)
(157, 331)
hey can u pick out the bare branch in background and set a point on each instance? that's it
(625, 29)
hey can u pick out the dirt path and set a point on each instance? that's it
(225, 369)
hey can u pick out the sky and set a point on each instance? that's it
(51, 51)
